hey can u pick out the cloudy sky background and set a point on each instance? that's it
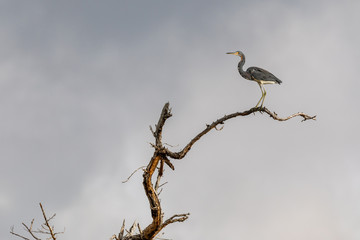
(81, 81)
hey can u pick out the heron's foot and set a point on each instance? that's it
(257, 109)
(260, 109)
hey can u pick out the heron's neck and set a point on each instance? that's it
(241, 70)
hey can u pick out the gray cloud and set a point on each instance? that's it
(80, 83)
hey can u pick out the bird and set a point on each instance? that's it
(259, 75)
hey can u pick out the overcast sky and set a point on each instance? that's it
(81, 81)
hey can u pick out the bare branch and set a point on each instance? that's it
(151, 230)
(132, 229)
(152, 131)
(51, 217)
(139, 229)
(162, 184)
(186, 149)
(170, 165)
(121, 233)
(18, 235)
(299, 114)
(171, 145)
(158, 178)
(29, 229)
(159, 192)
(176, 218)
(219, 129)
(47, 223)
(142, 167)
(32, 223)
(165, 114)
(114, 237)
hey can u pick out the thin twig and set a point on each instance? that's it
(162, 184)
(170, 165)
(52, 217)
(47, 223)
(121, 233)
(171, 145)
(114, 237)
(138, 225)
(132, 229)
(142, 167)
(176, 218)
(299, 114)
(18, 235)
(30, 231)
(152, 131)
(158, 178)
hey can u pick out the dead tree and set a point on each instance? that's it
(162, 156)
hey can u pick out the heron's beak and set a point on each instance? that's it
(233, 53)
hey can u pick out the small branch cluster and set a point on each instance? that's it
(45, 228)
(129, 234)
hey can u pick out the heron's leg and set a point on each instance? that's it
(262, 95)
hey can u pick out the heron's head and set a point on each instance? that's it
(237, 53)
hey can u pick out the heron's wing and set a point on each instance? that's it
(262, 75)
